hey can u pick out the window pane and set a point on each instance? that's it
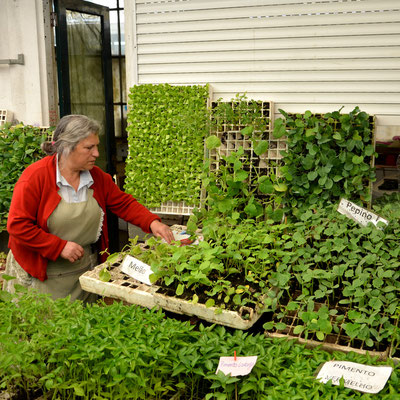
(117, 121)
(124, 100)
(122, 24)
(116, 80)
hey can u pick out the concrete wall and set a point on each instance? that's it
(24, 88)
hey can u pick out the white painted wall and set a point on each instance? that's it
(24, 89)
(316, 55)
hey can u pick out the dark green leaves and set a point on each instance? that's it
(328, 156)
(19, 147)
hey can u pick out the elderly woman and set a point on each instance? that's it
(57, 221)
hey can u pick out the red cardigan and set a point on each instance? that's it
(36, 196)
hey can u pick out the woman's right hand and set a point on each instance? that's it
(72, 251)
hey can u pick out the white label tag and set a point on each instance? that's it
(364, 378)
(240, 366)
(136, 269)
(359, 214)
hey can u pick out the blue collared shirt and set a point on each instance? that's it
(68, 193)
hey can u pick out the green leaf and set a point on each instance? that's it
(78, 390)
(210, 303)
(225, 205)
(280, 187)
(113, 258)
(279, 129)
(269, 325)
(298, 330)
(280, 326)
(241, 176)
(312, 175)
(311, 132)
(212, 142)
(104, 275)
(179, 290)
(266, 187)
(357, 159)
(375, 303)
(261, 148)
(247, 131)
(337, 136)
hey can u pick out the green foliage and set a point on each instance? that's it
(68, 350)
(166, 130)
(317, 263)
(352, 271)
(19, 147)
(328, 157)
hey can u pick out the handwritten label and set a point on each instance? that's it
(363, 378)
(359, 214)
(242, 365)
(136, 269)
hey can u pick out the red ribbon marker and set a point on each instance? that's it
(234, 355)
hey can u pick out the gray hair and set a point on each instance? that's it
(70, 130)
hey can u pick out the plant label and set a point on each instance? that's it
(136, 269)
(240, 366)
(359, 214)
(364, 378)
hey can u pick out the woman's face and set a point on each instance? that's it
(83, 157)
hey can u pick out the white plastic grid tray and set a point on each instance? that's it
(5, 116)
(173, 208)
(232, 139)
(123, 287)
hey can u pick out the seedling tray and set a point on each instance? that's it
(123, 287)
(332, 342)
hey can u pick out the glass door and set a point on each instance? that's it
(85, 69)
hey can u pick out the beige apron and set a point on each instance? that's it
(75, 222)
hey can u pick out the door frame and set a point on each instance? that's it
(63, 66)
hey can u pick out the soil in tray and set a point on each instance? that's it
(340, 338)
(203, 297)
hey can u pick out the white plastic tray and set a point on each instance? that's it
(132, 291)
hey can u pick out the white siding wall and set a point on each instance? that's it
(302, 55)
(24, 88)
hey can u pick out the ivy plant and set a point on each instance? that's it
(166, 130)
(19, 147)
(329, 156)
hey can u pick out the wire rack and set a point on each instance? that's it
(232, 137)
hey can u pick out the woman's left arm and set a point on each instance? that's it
(128, 208)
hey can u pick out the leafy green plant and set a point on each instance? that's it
(328, 157)
(19, 147)
(350, 269)
(66, 350)
(166, 130)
